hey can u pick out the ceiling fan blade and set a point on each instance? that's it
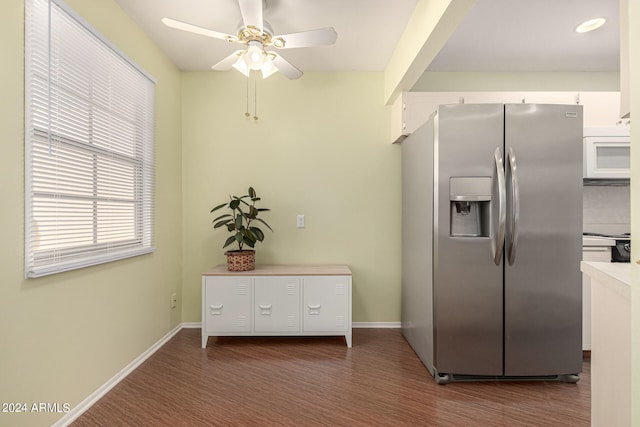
(228, 62)
(179, 25)
(285, 67)
(319, 37)
(251, 11)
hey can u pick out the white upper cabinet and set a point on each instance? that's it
(625, 89)
(601, 109)
(412, 109)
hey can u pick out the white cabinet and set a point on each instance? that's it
(277, 300)
(412, 109)
(326, 302)
(611, 370)
(600, 109)
(276, 304)
(599, 250)
(229, 307)
(625, 83)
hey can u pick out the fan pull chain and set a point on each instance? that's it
(247, 114)
(255, 96)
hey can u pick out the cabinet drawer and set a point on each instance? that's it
(227, 306)
(276, 304)
(326, 303)
(596, 253)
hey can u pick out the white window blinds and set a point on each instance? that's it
(89, 125)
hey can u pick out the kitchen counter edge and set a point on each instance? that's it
(614, 275)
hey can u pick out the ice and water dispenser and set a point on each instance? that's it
(470, 206)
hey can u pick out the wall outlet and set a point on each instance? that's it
(300, 221)
(174, 300)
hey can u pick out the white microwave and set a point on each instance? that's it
(607, 153)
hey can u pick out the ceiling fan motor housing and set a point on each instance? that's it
(250, 33)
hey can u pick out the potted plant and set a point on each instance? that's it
(241, 223)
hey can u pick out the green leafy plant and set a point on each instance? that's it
(241, 221)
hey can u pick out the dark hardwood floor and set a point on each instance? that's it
(319, 382)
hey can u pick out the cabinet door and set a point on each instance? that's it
(227, 304)
(326, 303)
(276, 304)
(598, 254)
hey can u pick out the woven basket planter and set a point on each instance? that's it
(244, 260)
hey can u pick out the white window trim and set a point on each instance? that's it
(121, 173)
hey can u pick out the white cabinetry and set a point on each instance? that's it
(625, 84)
(599, 250)
(600, 108)
(412, 109)
(229, 306)
(277, 300)
(611, 357)
(277, 304)
(325, 304)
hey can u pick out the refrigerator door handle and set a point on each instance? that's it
(498, 241)
(515, 207)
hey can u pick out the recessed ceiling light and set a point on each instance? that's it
(590, 25)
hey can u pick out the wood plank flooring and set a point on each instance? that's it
(319, 382)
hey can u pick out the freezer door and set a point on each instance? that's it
(543, 295)
(467, 280)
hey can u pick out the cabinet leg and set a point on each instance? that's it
(205, 338)
(347, 338)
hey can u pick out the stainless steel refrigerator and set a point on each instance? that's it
(491, 242)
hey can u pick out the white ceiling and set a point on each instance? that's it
(368, 30)
(497, 35)
(533, 35)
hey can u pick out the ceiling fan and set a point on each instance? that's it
(257, 34)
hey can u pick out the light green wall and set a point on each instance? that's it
(518, 82)
(320, 148)
(63, 336)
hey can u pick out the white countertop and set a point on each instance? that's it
(614, 275)
(597, 241)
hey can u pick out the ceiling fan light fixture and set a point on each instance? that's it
(242, 66)
(590, 25)
(255, 55)
(268, 68)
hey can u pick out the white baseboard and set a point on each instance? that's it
(83, 406)
(378, 325)
(192, 325)
(362, 325)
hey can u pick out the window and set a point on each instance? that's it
(89, 164)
